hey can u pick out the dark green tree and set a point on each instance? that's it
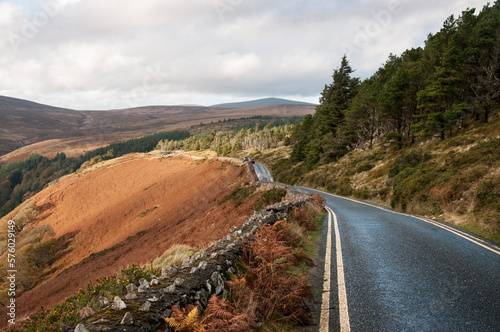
(363, 115)
(335, 99)
(440, 103)
(479, 40)
(325, 140)
(302, 135)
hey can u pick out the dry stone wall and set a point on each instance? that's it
(194, 282)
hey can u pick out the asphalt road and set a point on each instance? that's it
(397, 272)
(262, 172)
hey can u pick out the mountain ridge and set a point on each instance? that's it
(25, 123)
(25, 103)
(271, 101)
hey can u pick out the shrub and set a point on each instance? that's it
(411, 159)
(364, 167)
(238, 195)
(174, 255)
(186, 319)
(362, 193)
(442, 194)
(487, 194)
(305, 217)
(67, 311)
(225, 316)
(342, 186)
(411, 185)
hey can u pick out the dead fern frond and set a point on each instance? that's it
(224, 316)
(279, 292)
(187, 319)
(237, 282)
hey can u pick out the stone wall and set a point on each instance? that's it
(194, 282)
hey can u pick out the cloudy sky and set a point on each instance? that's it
(104, 54)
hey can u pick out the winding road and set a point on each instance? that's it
(262, 172)
(387, 271)
(381, 270)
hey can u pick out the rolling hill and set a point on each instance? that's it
(120, 212)
(28, 128)
(262, 102)
(25, 122)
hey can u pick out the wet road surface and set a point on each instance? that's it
(403, 273)
(262, 172)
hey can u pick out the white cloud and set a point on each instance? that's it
(98, 54)
(9, 12)
(236, 66)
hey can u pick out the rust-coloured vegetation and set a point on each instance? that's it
(271, 291)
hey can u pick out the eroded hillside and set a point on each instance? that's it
(117, 213)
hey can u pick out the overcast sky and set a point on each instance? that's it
(104, 54)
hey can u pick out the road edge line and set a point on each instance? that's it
(455, 231)
(345, 325)
(324, 320)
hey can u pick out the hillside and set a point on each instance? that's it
(29, 128)
(456, 180)
(420, 134)
(117, 213)
(25, 122)
(261, 102)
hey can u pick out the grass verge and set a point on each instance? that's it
(92, 296)
(270, 290)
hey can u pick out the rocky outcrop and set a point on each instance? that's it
(198, 278)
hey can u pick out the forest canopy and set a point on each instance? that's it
(424, 92)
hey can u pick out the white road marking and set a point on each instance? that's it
(324, 320)
(429, 221)
(325, 303)
(457, 232)
(343, 307)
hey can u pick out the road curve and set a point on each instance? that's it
(262, 172)
(404, 273)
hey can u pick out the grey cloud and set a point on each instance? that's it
(92, 52)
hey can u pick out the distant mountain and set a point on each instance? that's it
(30, 127)
(261, 102)
(24, 122)
(16, 103)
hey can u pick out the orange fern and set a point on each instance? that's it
(187, 319)
(275, 288)
(224, 316)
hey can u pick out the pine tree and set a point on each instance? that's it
(363, 115)
(439, 101)
(302, 135)
(335, 99)
(329, 142)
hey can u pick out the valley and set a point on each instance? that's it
(29, 128)
(375, 210)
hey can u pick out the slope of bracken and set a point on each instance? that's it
(122, 212)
